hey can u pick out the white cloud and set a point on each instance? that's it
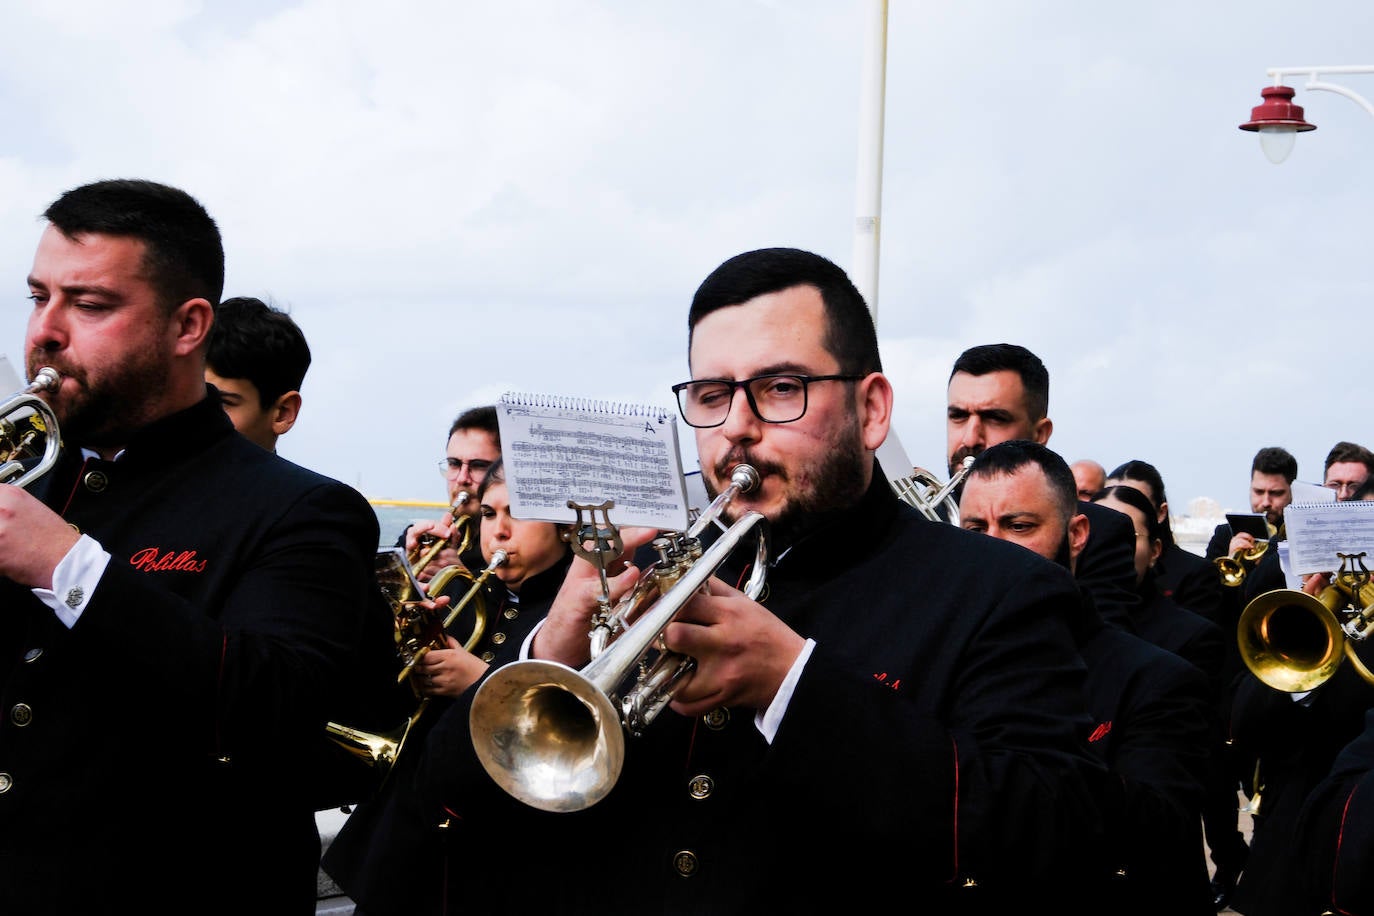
(456, 199)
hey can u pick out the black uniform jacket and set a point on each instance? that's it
(1153, 728)
(1335, 835)
(389, 855)
(1296, 744)
(1191, 636)
(935, 737)
(155, 756)
(1194, 582)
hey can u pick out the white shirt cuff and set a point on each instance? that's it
(74, 580)
(768, 720)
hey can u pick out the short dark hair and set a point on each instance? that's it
(184, 254)
(482, 418)
(1343, 452)
(255, 341)
(1014, 454)
(1275, 460)
(1136, 500)
(850, 335)
(999, 357)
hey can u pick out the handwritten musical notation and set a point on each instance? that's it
(560, 449)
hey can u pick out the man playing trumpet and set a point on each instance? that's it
(898, 717)
(474, 445)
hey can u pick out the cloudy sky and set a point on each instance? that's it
(455, 200)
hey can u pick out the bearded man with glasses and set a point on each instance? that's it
(898, 717)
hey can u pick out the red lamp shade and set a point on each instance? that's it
(1277, 110)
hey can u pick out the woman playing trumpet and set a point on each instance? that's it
(388, 857)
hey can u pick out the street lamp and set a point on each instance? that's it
(1278, 121)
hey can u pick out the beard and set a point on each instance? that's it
(104, 409)
(833, 482)
(959, 455)
(1062, 555)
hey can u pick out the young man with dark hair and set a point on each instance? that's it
(184, 610)
(1272, 472)
(899, 717)
(257, 360)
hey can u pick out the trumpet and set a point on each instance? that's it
(936, 501)
(1294, 642)
(554, 737)
(417, 631)
(25, 418)
(428, 546)
(420, 631)
(1234, 568)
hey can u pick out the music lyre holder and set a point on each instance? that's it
(1353, 576)
(596, 539)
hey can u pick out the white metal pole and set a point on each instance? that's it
(869, 191)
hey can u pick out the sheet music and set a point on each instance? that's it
(558, 449)
(1317, 531)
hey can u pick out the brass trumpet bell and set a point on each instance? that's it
(557, 744)
(377, 749)
(1291, 640)
(1295, 642)
(553, 737)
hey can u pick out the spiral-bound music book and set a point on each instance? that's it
(1318, 531)
(556, 449)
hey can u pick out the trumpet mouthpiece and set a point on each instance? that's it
(744, 477)
(45, 379)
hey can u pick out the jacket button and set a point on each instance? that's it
(488, 655)
(510, 613)
(5, 782)
(33, 655)
(701, 786)
(21, 714)
(498, 638)
(685, 863)
(716, 718)
(96, 481)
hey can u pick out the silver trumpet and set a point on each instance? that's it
(554, 737)
(24, 418)
(936, 501)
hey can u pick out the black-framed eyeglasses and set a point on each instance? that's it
(774, 398)
(450, 467)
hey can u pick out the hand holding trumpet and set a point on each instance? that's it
(436, 545)
(743, 652)
(33, 538)
(563, 635)
(447, 672)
